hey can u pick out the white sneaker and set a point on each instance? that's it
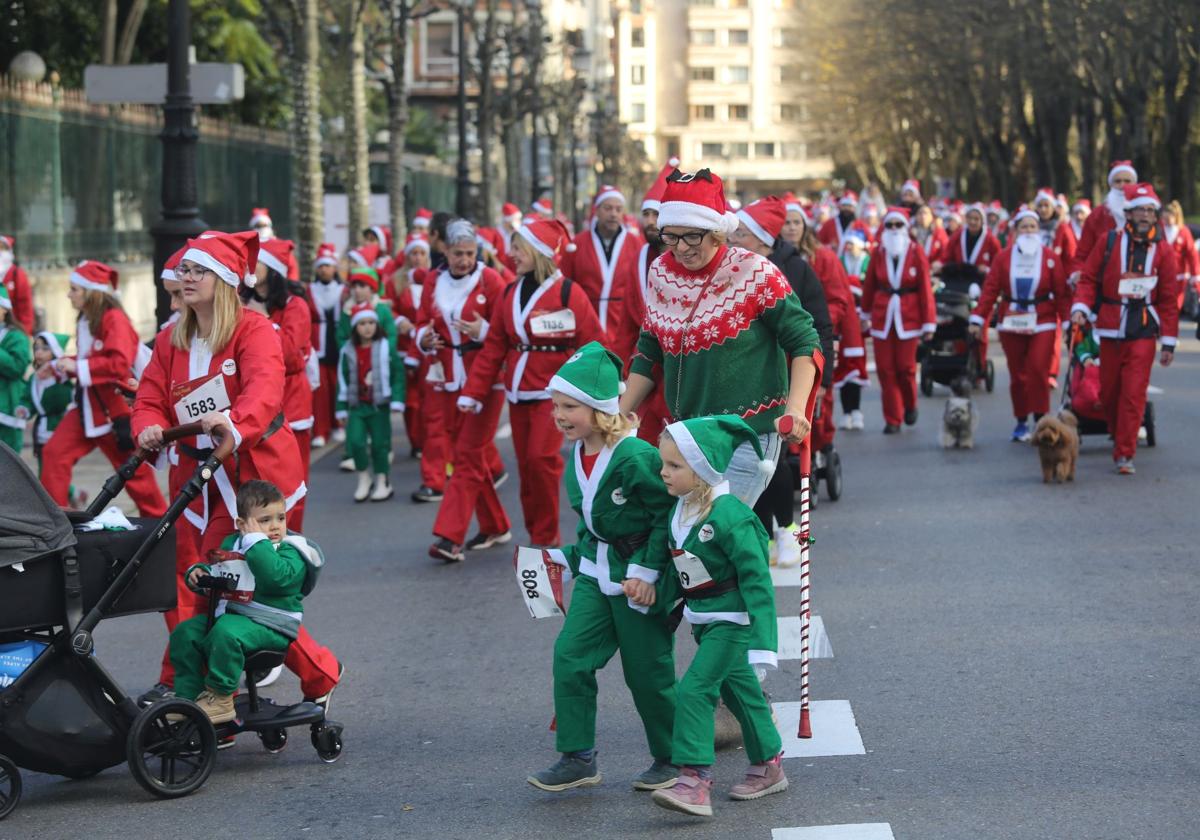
(338, 436)
(382, 490)
(1141, 434)
(271, 676)
(847, 422)
(787, 546)
(364, 486)
(346, 465)
(318, 442)
(857, 417)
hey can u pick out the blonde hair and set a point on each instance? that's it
(1176, 210)
(701, 497)
(227, 313)
(543, 266)
(95, 304)
(612, 427)
(719, 236)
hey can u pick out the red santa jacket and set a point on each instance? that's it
(1066, 243)
(533, 342)
(21, 295)
(1048, 298)
(1100, 288)
(405, 304)
(248, 375)
(604, 283)
(1186, 258)
(987, 246)
(935, 245)
(833, 235)
(293, 324)
(446, 299)
(851, 362)
(326, 301)
(899, 299)
(633, 313)
(104, 366)
(1095, 233)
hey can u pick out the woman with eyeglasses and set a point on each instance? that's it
(725, 329)
(898, 298)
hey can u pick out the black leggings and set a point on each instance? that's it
(851, 397)
(777, 502)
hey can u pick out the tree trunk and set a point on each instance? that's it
(133, 21)
(1085, 125)
(358, 182)
(397, 95)
(486, 107)
(108, 33)
(308, 189)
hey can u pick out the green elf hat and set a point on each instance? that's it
(592, 376)
(57, 342)
(708, 443)
(5, 301)
(364, 274)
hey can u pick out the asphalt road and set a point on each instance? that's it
(1020, 660)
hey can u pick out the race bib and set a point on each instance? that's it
(199, 397)
(540, 581)
(243, 580)
(1136, 286)
(436, 374)
(690, 569)
(1019, 322)
(557, 323)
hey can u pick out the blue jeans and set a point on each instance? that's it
(745, 479)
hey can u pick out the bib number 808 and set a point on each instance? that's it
(529, 581)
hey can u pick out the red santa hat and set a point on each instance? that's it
(168, 269)
(549, 237)
(422, 218)
(911, 184)
(364, 254)
(848, 199)
(1061, 201)
(1082, 204)
(1141, 195)
(792, 204)
(996, 207)
(765, 218)
(260, 216)
(653, 198)
(363, 312)
(95, 276)
(1045, 194)
(384, 234)
(231, 256)
(326, 254)
(8, 241)
(977, 207)
(607, 192)
(896, 213)
(1024, 213)
(696, 200)
(416, 242)
(510, 211)
(364, 274)
(489, 239)
(275, 254)
(543, 206)
(1118, 166)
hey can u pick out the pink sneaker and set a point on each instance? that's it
(761, 780)
(689, 795)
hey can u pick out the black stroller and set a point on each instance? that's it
(1081, 394)
(65, 714)
(953, 354)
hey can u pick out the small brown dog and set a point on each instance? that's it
(1057, 442)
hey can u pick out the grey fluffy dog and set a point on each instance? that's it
(959, 419)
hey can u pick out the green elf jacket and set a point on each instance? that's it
(15, 356)
(388, 386)
(47, 400)
(623, 498)
(278, 575)
(383, 311)
(729, 544)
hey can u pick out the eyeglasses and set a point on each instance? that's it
(692, 238)
(197, 271)
(894, 225)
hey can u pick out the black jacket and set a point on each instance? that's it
(808, 288)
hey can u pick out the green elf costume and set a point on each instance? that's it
(722, 572)
(14, 361)
(368, 277)
(622, 506)
(371, 386)
(47, 400)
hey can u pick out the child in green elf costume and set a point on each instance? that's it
(47, 397)
(14, 360)
(619, 560)
(719, 550)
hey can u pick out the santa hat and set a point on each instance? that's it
(856, 235)
(57, 342)
(911, 184)
(98, 277)
(1118, 166)
(792, 204)
(1141, 195)
(708, 444)
(593, 377)
(5, 239)
(1061, 201)
(363, 312)
(168, 269)
(383, 234)
(543, 207)
(765, 218)
(1045, 194)
(696, 200)
(1024, 213)
(977, 207)
(1082, 203)
(275, 254)
(326, 254)
(231, 256)
(848, 199)
(364, 254)
(653, 198)
(416, 242)
(422, 218)
(606, 193)
(510, 211)
(489, 239)
(549, 237)
(894, 213)
(364, 274)
(997, 208)
(259, 216)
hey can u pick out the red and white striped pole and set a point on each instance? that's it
(805, 539)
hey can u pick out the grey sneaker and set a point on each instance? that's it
(761, 780)
(661, 774)
(161, 691)
(566, 773)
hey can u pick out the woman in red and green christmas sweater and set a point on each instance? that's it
(727, 330)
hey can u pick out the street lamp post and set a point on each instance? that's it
(536, 43)
(462, 200)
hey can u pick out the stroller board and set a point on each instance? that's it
(953, 354)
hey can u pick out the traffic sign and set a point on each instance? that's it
(212, 83)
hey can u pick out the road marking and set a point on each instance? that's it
(855, 831)
(789, 638)
(785, 575)
(833, 727)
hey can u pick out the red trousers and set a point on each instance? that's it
(469, 491)
(323, 400)
(538, 444)
(1056, 353)
(435, 453)
(1028, 371)
(823, 430)
(896, 364)
(1124, 376)
(69, 444)
(414, 420)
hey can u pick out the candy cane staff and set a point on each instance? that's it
(327, 293)
(539, 321)
(106, 351)
(803, 537)
(619, 563)
(222, 365)
(452, 326)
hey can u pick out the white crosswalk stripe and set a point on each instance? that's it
(785, 576)
(852, 831)
(789, 638)
(833, 728)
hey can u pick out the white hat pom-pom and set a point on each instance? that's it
(250, 280)
(571, 248)
(621, 388)
(766, 468)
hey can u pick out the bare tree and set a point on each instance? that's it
(112, 49)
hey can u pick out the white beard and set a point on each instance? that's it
(1029, 243)
(1115, 202)
(266, 234)
(895, 242)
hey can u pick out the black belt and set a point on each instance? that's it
(545, 348)
(906, 290)
(1026, 301)
(1123, 301)
(710, 590)
(629, 543)
(466, 347)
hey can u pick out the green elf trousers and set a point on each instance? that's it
(221, 652)
(369, 425)
(597, 625)
(721, 667)
(13, 437)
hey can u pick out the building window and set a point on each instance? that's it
(704, 112)
(637, 36)
(739, 112)
(787, 38)
(637, 74)
(707, 4)
(711, 150)
(739, 37)
(791, 113)
(702, 74)
(441, 57)
(790, 74)
(739, 150)
(793, 151)
(637, 112)
(738, 74)
(704, 37)
(764, 150)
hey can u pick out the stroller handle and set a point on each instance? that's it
(224, 447)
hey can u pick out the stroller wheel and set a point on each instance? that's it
(171, 748)
(273, 740)
(989, 378)
(10, 786)
(833, 476)
(327, 741)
